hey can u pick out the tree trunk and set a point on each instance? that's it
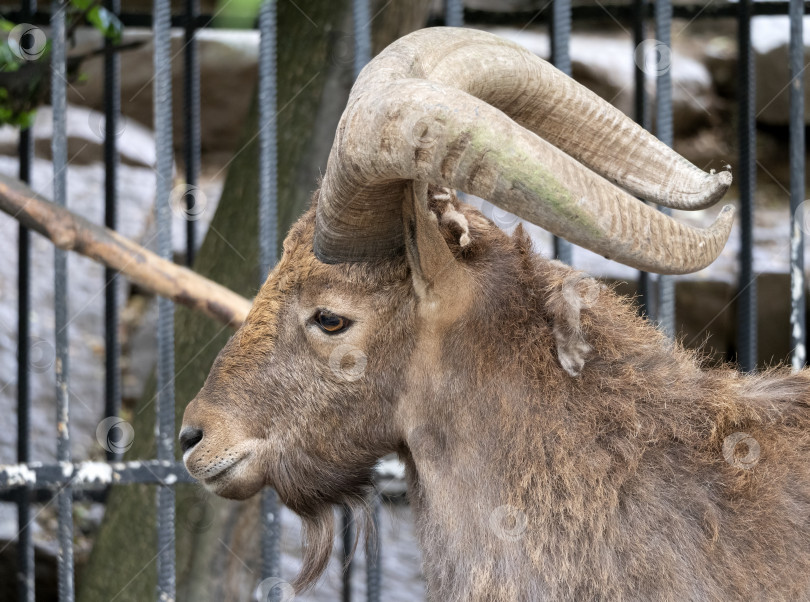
(217, 546)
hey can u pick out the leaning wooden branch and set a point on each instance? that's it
(71, 232)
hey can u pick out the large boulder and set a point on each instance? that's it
(228, 71)
(770, 37)
(85, 187)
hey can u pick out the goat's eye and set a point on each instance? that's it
(330, 323)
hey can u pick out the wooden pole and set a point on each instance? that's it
(72, 232)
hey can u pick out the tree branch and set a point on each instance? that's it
(71, 232)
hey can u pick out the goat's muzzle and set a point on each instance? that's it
(216, 453)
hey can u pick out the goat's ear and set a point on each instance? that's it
(438, 278)
(566, 301)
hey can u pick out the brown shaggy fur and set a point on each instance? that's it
(527, 482)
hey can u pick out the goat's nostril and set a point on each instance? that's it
(189, 437)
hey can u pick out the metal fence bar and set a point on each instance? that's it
(26, 586)
(641, 112)
(88, 475)
(62, 364)
(454, 13)
(347, 547)
(797, 169)
(268, 240)
(747, 347)
(361, 17)
(112, 112)
(374, 552)
(560, 57)
(665, 314)
(191, 89)
(165, 336)
(641, 103)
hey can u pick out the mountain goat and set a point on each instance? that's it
(557, 446)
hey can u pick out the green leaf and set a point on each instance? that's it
(100, 18)
(8, 61)
(237, 14)
(106, 22)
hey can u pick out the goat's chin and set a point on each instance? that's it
(238, 484)
(234, 490)
(312, 491)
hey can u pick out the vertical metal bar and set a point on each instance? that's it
(454, 13)
(268, 237)
(165, 336)
(112, 107)
(346, 560)
(747, 348)
(641, 104)
(664, 131)
(560, 57)
(191, 88)
(26, 588)
(641, 109)
(59, 150)
(374, 552)
(25, 545)
(361, 15)
(797, 168)
(347, 522)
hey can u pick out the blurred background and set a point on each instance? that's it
(614, 48)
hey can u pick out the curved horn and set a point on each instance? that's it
(457, 108)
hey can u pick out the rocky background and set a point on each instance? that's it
(704, 71)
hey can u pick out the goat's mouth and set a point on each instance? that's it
(221, 473)
(214, 471)
(220, 481)
(233, 478)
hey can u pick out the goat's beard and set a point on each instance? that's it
(312, 493)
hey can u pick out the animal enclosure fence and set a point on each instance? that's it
(28, 484)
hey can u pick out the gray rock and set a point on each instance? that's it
(85, 308)
(228, 70)
(85, 137)
(771, 37)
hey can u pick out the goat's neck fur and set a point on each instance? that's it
(529, 483)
